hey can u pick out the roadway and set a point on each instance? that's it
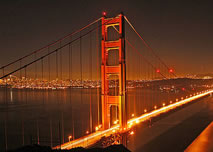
(90, 139)
(203, 143)
(173, 131)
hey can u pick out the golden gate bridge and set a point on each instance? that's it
(111, 61)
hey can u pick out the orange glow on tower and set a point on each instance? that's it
(116, 70)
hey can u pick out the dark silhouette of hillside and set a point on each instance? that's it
(38, 148)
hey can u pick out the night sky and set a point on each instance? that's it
(179, 31)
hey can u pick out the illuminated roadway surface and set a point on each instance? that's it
(92, 138)
(203, 143)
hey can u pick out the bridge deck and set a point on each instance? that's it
(203, 142)
(90, 139)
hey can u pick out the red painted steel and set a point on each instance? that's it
(119, 70)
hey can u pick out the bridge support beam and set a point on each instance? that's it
(118, 100)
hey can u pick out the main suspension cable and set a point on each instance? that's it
(61, 39)
(148, 46)
(143, 57)
(56, 50)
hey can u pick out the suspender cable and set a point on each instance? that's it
(81, 87)
(53, 43)
(56, 50)
(42, 77)
(25, 83)
(20, 70)
(147, 45)
(42, 70)
(144, 57)
(139, 95)
(35, 58)
(6, 117)
(21, 73)
(2, 72)
(70, 79)
(90, 64)
(98, 71)
(60, 62)
(48, 64)
(69, 58)
(80, 62)
(56, 58)
(152, 83)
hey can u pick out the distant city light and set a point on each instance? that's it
(131, 133)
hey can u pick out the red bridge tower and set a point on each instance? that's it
(118, 100)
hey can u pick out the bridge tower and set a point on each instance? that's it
(119, 99)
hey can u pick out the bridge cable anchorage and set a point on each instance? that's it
(144, 58)
(52, 43)
(35, 60)
(148, 46)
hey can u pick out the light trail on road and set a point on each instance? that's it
(92, 138)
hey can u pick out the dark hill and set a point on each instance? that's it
(38, 148)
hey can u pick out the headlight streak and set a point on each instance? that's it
(94, 137)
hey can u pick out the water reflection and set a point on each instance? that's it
(11, 95)
(49, 117)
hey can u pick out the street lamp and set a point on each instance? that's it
(70, 137)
